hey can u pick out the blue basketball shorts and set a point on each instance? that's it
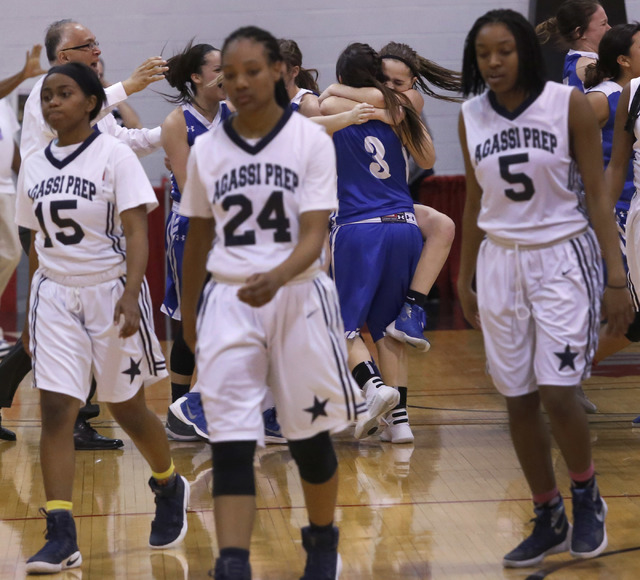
(373, 264)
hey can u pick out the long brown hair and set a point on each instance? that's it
(361, 66)
(291, 54)
(425, 70)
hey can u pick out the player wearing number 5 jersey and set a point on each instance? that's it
(537, 272)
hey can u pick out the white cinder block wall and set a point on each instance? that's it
(129, 31)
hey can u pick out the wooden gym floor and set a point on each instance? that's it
(447, 507)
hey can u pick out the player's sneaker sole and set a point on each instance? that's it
(384, 399)
(420, 344)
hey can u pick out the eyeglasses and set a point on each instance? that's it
(90, 46)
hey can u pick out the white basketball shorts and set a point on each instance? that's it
(540, 312)
(73, 335)
(293, 345)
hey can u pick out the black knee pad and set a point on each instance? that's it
(633, 332)
(233, 468)
(315, 458)
(183, 361)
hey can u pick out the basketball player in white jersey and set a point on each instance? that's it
(69, 41)
(86, 197)
(264, 183)
(538, 271)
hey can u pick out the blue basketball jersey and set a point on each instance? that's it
(569, 75)
(607, 144)
(372, 173)
(197, 124)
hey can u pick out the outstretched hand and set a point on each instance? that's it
(32, 66)
(150, 71)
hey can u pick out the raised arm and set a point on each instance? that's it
(30, 69)
(585, 142)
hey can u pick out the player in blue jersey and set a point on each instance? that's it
(301, 83)
(578, 25)
(200, 107)
(376, 243)
(406, 71)
(618, 63)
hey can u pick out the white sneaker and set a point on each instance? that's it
(380, 399)
(398, 429)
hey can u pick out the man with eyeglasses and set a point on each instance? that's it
(69, 41)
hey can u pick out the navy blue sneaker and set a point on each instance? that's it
(589, 532)
(409, 327)
(231, 569)
(323, 560)
(169, 527)
(636, 422)
(188, 410)
(61, 550)
(551, 535)
(272, 431)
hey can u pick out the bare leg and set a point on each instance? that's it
(320, 500)
(145, 430)
(57, 452)
(438, 231)
(394, 364)
(569, 426)
(234, 516)
(357, 352)
(530, 436)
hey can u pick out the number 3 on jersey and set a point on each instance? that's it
(68, 239)
(515, 178)
(379, 167)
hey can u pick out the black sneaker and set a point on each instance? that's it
(589, 532)
(86, 438)
(551, 535)
(231, 569)
(169, 527)
(323, 560)
(61, 550)
(6, 434)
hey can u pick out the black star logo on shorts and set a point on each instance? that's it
(317, 409)
(134, 370)
(567, 358)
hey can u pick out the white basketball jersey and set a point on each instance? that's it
(256, 193)
(634, 86)
(523, 165)
(73, 196)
